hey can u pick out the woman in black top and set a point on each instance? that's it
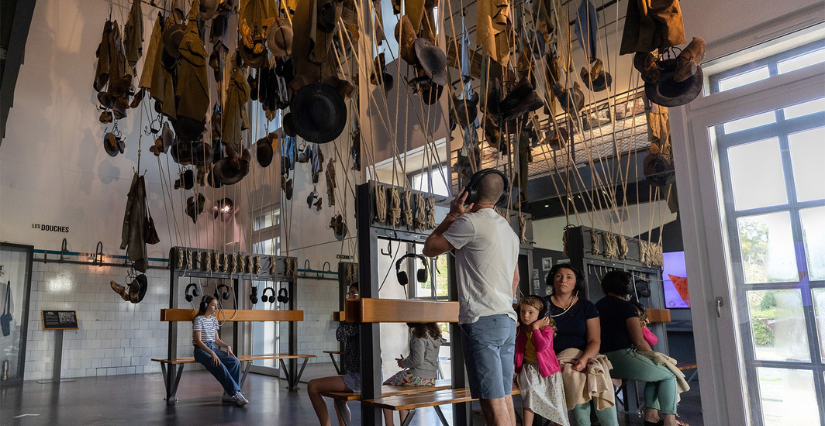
(578, 328)
(622, 342)
(351, 381)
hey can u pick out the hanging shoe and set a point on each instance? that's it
(645, 63)
(689, 60)
(121, 290)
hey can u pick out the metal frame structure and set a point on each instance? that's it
(369, 232)
(273, 268)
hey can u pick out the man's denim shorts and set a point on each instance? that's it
(489, 345)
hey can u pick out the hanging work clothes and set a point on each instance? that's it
(651, 25)
(192, 90)
(133, 35)
(288, 154)
(317, 162)
(491, 29)
(151, 53)
(235, 118)
(133, 229)
(587, 29)
(331, 185)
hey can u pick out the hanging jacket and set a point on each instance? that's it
(192, 91)
(133, 34)
(235, 118)
(133, 229)
(151, 53)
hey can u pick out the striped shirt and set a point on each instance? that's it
(207, 327)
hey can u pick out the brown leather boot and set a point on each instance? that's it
(689, 60)
(645, 63)
(121, 290)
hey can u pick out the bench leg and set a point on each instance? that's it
(245, 372)
(339, 405)
(411, 415)
(335, 364)
(286, 373)
(171, 379)
(692, 376)
(300, 373)
(441, 416)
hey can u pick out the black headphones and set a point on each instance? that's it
(545, 308)
(253, 296)
(203, 305)
(283, 295)
(195, 293)
(269, 299)
(420, 275)
(472, 191)
(222, 295)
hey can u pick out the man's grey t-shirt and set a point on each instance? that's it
(486, 258)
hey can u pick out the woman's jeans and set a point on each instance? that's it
(228, 371)
(661, 391)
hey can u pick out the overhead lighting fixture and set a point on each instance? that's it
(223, 208)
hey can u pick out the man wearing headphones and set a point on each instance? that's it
(486, 254)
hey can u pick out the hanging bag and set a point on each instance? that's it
(150, 234)
(5, 319)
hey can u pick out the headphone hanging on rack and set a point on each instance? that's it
(421, 274)
(196, 291)
(253, 295)
(283, 295)
(268, 299)
(222, 295)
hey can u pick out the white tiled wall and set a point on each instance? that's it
(115, 337)
(316, 333)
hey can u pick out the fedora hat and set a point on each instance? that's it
(329, 12)
(210, 178)
(194, 206)
(658, 168)
(279, 38)
(201, 153)
(264, 149)
(289, 125)
(232, 168)
(182, 152)
(432, 60)
(670, 93)
(465, 111)
(172, 38)
(113, 145)
(320, 113)
(596, 79)
(186, 180)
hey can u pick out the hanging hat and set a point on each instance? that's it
(264, 151)
(231, 169)
(311, 199)
(379, 75)
(137, 288)
(210, 178)
(430, 92)
(195, 208)
(279, 38)
(597, 79)
(320, 113)
(571, 100)
(339, 228)
(432, 59)
(329, 13)
(182, 152)
(113, 145)
(172, 38)
(670, 93)
(465, 111)
(120, 106)
(251, 48)
(223, 208)
(106, 100)
(186, 180)
(658, 168)
(289, 125)
(201, 153)
(208, 9)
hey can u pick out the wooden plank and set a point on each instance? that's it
(234, 315)
(422, 400)
(685, 366)
(339, 316)
(191, 360)
(369, 310)
(658, 315)
(333, 352)
(391, 391)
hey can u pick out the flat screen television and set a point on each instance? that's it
(674, 280)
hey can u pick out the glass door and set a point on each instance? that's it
(15, 287)
(266, 335)
(772, 174)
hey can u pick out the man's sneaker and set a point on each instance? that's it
(229, 399)
(240, 399)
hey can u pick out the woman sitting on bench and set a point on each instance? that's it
(223, 365)
(350, 382)
(420, 368)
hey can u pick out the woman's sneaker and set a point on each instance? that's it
(240, 399)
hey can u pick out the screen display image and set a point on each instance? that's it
(674, 280)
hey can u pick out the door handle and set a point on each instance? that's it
(719, 304)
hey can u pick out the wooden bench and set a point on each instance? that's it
(341, 398)
(171, 376)
(418, 400)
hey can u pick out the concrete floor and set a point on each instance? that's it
(138, 399)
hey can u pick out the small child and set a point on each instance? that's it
(420, 368)
(537, 368)
(650, 338)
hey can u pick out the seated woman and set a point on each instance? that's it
(577, 345)
(350, 382)
(624, 345)
(420, 368)
(223, 365)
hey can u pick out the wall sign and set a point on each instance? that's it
(59, 320)
(50, 228)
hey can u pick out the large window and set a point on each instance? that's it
(772, 167)
(434, 180)
(266, 237)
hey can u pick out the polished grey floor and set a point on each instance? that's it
(138, 400)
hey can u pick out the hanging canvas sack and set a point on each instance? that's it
(150, 234)
(5, 319)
